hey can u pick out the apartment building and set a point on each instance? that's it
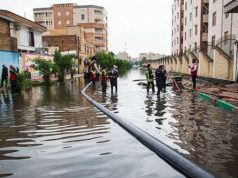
(177, 26)
(92, 18)
(222, 27)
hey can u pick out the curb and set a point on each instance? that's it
(217, 102)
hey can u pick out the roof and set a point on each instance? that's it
(89, 6)
(12, 17)
(43, 9)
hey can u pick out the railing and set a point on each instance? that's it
(177, 161)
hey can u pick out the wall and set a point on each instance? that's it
(8, 58)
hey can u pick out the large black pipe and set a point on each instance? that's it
(179, 162)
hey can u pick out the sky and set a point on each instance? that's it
(143, 25)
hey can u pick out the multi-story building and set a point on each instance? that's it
(177, 26)
(92, 18)
(222, 27)
(150, 56)
(124, 56)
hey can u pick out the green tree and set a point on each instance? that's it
(45, 69)
(63, 63)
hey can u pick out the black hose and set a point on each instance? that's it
(176, 160)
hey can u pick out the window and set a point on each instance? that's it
(59, 22)
(226, 15)
(177, 40)
(196, 11)
(31, 38)
(214, 1)
(178, 15)
(190, 32)
(82, 16)
(226, 37)
(214, 16)
(58, 13)
(185, 5)
(177, 28)
(195, 46)
(191, 1)
(196, 29)
(67, 22)
(190, 16)
(185, 36)
(185, 20)
(67, 13)
(213, 41)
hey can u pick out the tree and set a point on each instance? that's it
(45, 68)
(63, 63)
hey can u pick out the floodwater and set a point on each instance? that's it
(197, 129)
(54, 132)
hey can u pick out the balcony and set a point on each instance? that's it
(204, 36)
(205, 18)
(231, 6)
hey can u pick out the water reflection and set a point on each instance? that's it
(196, 128)
(54, 132)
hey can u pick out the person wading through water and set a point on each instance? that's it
(150, 78)
(194, 70)
(113, 75)
(160, 78)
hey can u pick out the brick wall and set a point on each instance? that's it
(64, 42)
(7, 43)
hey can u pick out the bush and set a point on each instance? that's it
(23, 81)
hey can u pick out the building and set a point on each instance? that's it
(18, 35)
(177, 26)
(92, 18)
(123, 56)
(150, 56)
(70, 40)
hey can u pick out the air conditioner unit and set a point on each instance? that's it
(17, 27)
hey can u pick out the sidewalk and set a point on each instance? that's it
(222, 93)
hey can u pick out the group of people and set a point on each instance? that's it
(13, 77)
(160, 78)
(112, 75)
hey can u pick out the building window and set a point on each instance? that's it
(195, 46)
(185, 5)
(59, 22)
(196, 11)
(226, 37)
(82, 16)
(190, 32)
(190, 16)
(185, 20)
(178, 15)
(213, 41)
(67, 22)
(177, 28)
(31, 38)
(196, 29)
(58, 13)
(214, 16)
(67, 13)
(214, 1)
(185, 36)
(177, 40)
(226, 15)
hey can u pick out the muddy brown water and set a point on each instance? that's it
(54, 132)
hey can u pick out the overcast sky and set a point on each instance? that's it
(145, 25)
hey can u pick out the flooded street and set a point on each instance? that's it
(54, 132)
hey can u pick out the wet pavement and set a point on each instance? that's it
(54, 132)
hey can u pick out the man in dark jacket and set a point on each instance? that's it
(150, 78)
(113, 75)
(160, 77)
(4, 75)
